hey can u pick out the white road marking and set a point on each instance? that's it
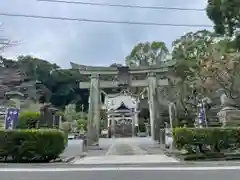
(217, 168)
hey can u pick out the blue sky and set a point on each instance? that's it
(92, 43)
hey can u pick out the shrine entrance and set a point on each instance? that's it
(124, 78)
(122, 113)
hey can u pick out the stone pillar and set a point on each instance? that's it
(94, 111)
(172, 115)
(113, 126)
(136, 120)
(152, 101)
(136, 113)
(133, 123)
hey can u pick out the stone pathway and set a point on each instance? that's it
(128, 151)
(124, 146)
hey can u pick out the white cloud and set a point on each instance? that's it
(92, 43)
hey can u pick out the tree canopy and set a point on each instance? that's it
(225, 15)
(147, 54)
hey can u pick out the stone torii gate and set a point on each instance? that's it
(123, 80)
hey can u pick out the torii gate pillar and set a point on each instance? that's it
(94, 111)
(153, 105)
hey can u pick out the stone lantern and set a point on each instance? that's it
(229, 114)
(48, 118)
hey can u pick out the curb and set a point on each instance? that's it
(62, 160)
(169, 154)
(69, 159)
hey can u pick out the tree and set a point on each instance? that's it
(189, 50)
(222, 69)
(147, 54)
(187, 83)
(225, 15)
(59, 86)
(116, 65)
(37, 69)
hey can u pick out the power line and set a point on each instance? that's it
(104, 21)
(123, 5)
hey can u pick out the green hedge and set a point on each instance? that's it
(28, 120)
(42, 145)
(202, 140)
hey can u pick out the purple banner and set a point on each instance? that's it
(11, 118)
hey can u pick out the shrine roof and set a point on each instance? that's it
(120, 102)
(122, 107)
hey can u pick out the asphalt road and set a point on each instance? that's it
(120, 174)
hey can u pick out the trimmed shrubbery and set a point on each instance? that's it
(31, 145)
(28, 120)
(202, 143)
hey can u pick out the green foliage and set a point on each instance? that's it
(30, 106)
(204, 64)
(233, 123)
(189, 50)
(147, 54)
(59, 113)
(188, 53)
(82, 124)
(116, 65)
(28, 120)
(225, 15)
(59, 86)
(31, 145)
(203, 140)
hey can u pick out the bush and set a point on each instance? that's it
(82, 124)
(142, 128)
(66, 127)
(28, 120)
(42, 145)
(202, 140)
(204, 156)
(233, 123)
